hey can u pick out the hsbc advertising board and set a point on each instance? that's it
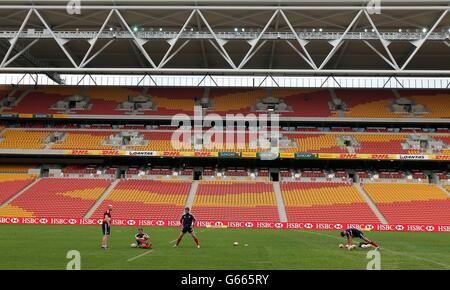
(230, 224)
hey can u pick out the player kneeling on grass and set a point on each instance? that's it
(142, 240)
(187, 221)
(355, 233)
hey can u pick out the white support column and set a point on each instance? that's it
(172, 42)
(137, 42)
(384, 42)
(14, 40)
(59, 41)
(301, 42)
(20, 52)
(220, 42)
(419, 43)
(85, 63)
(94, 41)
(175, 53)
(255, 41)
(394, 66)
(336, 44)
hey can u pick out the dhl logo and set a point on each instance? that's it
(442, 157)
(110, 152)
(80, 152)
(348, 156)
(171, 153)
(379, 156)
(203, 154)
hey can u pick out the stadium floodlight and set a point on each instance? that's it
(399, 30)
(160, 29)
(297, 175)
(235, 29)
(409, 177)
(135, 28)
(243, 29)
(111, 29)
(424, 30)
(320, 29)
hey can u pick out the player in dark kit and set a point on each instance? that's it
(187, 222)
(355, 233)
(106, 227)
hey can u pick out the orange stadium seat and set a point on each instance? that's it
(401, 203)
(12, 183)
(22, 139)
(57, 197)
(325, 202)
(147, 199)
(235, 201)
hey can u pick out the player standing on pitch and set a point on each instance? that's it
(187, 221)
(106, 227)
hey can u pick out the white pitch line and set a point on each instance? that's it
(393, 252)
(138, 256)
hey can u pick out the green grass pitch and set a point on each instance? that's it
(46, 247)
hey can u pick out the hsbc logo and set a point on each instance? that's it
(399, 227)
(14, 220)
(308, 226)
(369, 227)
(218, 224)
(72, 221)
(131, 222)
(100, 221)
(429, 228)
(43, 221)
(278, 225)
(338, 226)
(159, 223)
(249, 224)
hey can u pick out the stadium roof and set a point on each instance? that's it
(350, 37)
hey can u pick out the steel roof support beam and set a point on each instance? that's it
(137, 42)
(14, 40)
(301, 42)
(218, 7)
(255, 41)
(172, 42)
(383, 42)
(337, 44)
(20, 52)
(59, 41)
(220, 42)
(421, 42)
(94, 41)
